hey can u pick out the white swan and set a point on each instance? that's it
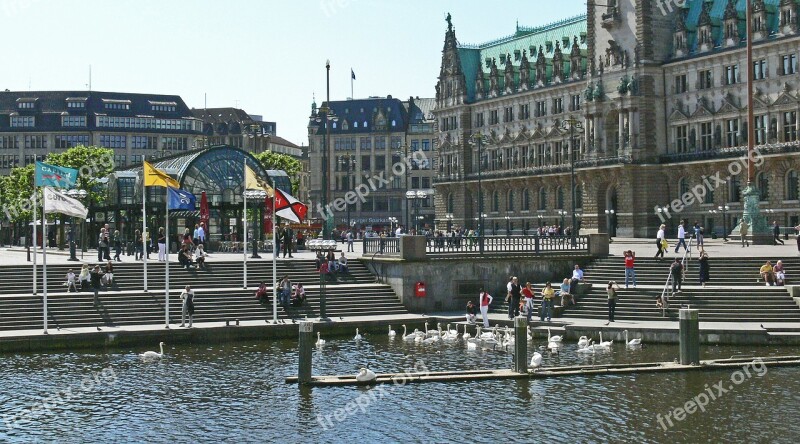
(452, 332)
(583, 341)
(604, 344)
(466, 335)
(365, 375)
(392, 333)
(320, 341)
(407, 337)
(536, 360)
(553, 346)
(553, 338)
(357, 337)
(151, 355)
(589, 348)
(435, 337)
(530, 333)
(487, 334)
(633, 342)
(449, 335)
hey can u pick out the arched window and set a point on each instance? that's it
(579, 196)
(526, 200)
(560, 198)
(482, 201)
(792, 185)
(355, 124)
(709, 197)
(683, 187)
(495, 201)
(542, 199)
(450, 203)
(510, 201)
(763, 186)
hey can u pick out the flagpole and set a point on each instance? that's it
(351, 85)
(44, 262)
(35, 202)
(244, 223)
(166, 279)
(145, 235)
(274, 261)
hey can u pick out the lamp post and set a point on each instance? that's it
(609, 221)
(392, 222)
(327, 115)
(508, 225)
(349, 163)
(258, 195)
(414, 196)
(572, 124)
(563, 213)
(80, 195)
(478, 141)
(449, 217)
(406, 178)
(724, 209)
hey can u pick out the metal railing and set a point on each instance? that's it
(685, 262)
(382, 245)
(506, 244)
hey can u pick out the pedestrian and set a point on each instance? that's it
(102, 243)
(704, 269)
(743, 228)
(527, 292)
(162, 245)
(287, 242)
(776, 232)
(196, 234)
(661, 242)
(107, 249)
(797, 230)
(96, 276)
(85, 277)
(566, 296)
(471, 312)
(350, 242)
(286, 290)
(200, 257)
(698, 234)
(612, 300)
(676, 275)
(108, 276)
(486, 300)
(139, 245)
(202, 234)
(71, 278)
(577, 276)
(547, 302)
(187, 309)
(516, 294)
(117, 240)
(681, 237)
(630, 271)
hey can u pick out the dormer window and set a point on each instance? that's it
(117, 104)
(365, 124)
(394, 123)
(26, 105)
(22, 121)
(73, 121)
(355, 124)
(517, 55)
(502, 59)
(565, 41)
(488, 62)
(169, 107)
(549, 46)
(76, 102)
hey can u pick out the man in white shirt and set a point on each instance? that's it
(681, 237)
(577, 276)
(201, 233)
(342, 263)
(399, 231)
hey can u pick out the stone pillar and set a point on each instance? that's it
(588, 132)
(631, 130)
(598, 244)
(598, 133)
(520, 344)
(412, 248)
(689, 334)
(305, 344)
(621, 131)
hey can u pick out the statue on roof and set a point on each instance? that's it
(449, 21)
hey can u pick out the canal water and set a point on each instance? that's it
(236, 393)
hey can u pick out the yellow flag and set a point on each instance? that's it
(156, 178)
(252, 182)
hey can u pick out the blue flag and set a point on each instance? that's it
(180, 199)
(54, 176)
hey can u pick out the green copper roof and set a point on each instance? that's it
(716, 12)
(526, 39)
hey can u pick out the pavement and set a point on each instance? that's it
(714, 248)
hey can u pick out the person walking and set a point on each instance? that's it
(527, 292)
(516, 294)
(704, 269)
(350, 248)
(162, 245)
(187, 306)
(102, 244)
(797, 230)
(611, 289)
(681, 237)
(743, 228)
(138, 245)
(96, 276)
(661, 242)
(698, 234)
(287, 242)
(547, 302)
(486, 300)
(116, 239)
(676, 275)
(630, 272)
(776, 233)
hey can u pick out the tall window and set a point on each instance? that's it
(680, 84)
(560, 198)
(760, 69)
(706, 136)
(760, 129)
(792, 185)
(575, 102)
(790, 126)
(508, 114)
(733, 189)
(71, 140)
(495, 201)
(450, 203)
(526, 200)
(35, 142)
(558, 106)
(789, 64)
(763, 186)
(732, 132)
(705, 79)
(510, 200)
(541, 108)
(542, 199)
(681, 139)
(109, 141)
(578, 196)
(731, 74)
(683, 187)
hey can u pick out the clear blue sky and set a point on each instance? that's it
(267, 56)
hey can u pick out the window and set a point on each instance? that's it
(732, 132)
(579, 196)
(23, 121)
(683, 187)
(680, 84)
(365, 143)
(731, 74)
(495, 201)
(789, 64)
(365, 163)
(790, 126)
(706, 136)
(450, 203)
(763, 186)
(792, 184)
(542, 199)
(380, 143)
(493, 119)
(380, 162)
(426, 182)
(479, 120)
(508, 114)
(79, 121)
(174, 143)
(558, 106)
(759, 69)
(9, 142)
(541, 109)
(397, 142)
(121, 105)
(76, 104)
(164, 108)
(558, 153)
(144, 143)
(705, 79)
(760, 127)
(355, 124)
(414, 146)
(415, 182)
(575, 102)
(526, 200)
(733, 189)
(394, 123)
(524, 111)
(36, 142)
(26, 105)
(560, 198)
(71, 140)
(709, 196)
(120, 159)
(510, 200)
(109, 141)
(149, 123)
(681, 139)
(9, 161)
(426, 144)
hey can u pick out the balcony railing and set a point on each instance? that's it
(735, 151)
(389, 246)
(507, 244)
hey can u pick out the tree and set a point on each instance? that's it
(16, 192)
(277, 161)
(92, 162)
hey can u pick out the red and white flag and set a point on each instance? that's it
(288, 207)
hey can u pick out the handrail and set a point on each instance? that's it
(686, 252)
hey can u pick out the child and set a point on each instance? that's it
(71, 281)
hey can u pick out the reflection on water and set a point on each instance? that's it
(237, 392)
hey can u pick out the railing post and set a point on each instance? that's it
(536, 245)
(689, 336)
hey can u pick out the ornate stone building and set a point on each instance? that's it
(651, 96)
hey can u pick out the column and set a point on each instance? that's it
(631, 130)
(588, 131)
(598, 134)
(621, 131)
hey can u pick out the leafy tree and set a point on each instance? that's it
(16, 192)
(92, 162)
(277, 161)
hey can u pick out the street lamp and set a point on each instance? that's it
(563, 213)
(415, 196)
(609, 219)
(80, 195)
(327, 115)
(258, 195)
(478, 140)
(724, 209)
(508, 225)
(572, 124)
(406, 175)
(349, 163)
(449, 217)
(392, 221)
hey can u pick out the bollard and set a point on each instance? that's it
(689, 336)
(306, 344)
(520, 344)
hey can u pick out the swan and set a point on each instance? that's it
(466, 335)
(320, 341)
(448, 335)
(392, 333)
(487, 334)
(509, 339)
(472, 345)
(604, 344)
(553, 346)
(536, 360)
(530, 333)
(583, 341)
(151, 355)
(365, 375)
(589, 348)
(553, 338)
(634, 341)
(452, 332)
(407, 337)
(357, 337)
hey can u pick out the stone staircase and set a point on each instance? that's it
(219, 296)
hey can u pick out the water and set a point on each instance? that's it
(236, 393)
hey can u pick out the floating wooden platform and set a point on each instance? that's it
(548, 372)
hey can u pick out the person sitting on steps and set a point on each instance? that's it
(299, 296)
(767, 274)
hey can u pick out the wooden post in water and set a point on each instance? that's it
(520, 344)
(689, 336)
(305, 343)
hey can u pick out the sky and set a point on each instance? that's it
(264, 56)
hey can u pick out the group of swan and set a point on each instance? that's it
(585, 345)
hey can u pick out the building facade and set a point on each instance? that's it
(369, 180)
(645, 99)
(135, 126)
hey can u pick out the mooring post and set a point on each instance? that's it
(306, 344)
(689, 336)
(520, 344)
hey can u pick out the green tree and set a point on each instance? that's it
(277, 161)
(16, 192)
(93, 163)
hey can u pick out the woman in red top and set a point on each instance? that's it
(630, 256)
(527, 293)
(485, 299)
